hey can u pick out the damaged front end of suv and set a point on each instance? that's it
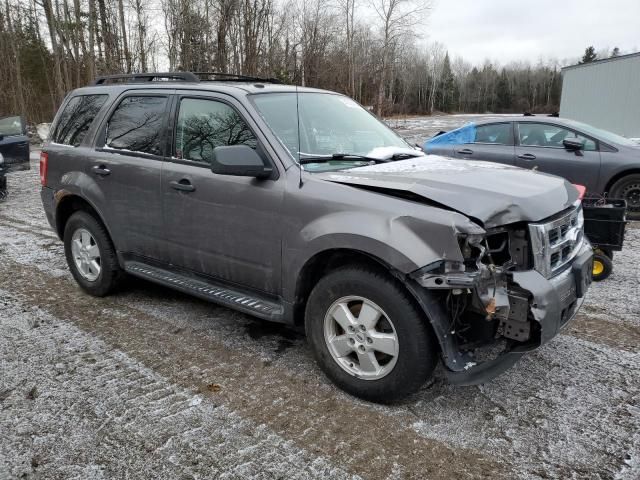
(512, 290)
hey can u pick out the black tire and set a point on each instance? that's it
(602, 266)
(417, 352)
(110, 271)
(628, 188)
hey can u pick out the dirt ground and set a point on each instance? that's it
(150, 383)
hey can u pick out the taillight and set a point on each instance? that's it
(44, 165)
(581, 190)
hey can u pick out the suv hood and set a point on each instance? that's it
(491, 193)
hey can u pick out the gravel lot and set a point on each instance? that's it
(153, 383)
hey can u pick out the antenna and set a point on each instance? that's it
(298, 119)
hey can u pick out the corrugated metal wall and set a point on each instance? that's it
(604, 94)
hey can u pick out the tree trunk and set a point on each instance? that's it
(57, 71)
(125, 43)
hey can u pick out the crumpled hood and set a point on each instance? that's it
(492, 193)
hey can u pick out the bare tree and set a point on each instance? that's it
(398, 18)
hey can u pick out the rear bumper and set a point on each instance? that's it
(554, 302)
(48, 202)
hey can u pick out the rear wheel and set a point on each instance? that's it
(367, 335)
(90, 255)
(628, 188)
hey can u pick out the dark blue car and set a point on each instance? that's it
(14, 147)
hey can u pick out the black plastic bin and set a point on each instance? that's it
(604, 222)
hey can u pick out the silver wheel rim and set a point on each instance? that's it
(86, 254)
(361, 338)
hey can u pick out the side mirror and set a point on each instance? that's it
(573, 144)
(240, 161)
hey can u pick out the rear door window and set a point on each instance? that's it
(76, 118)
(206, 124)
(136, 125)
(495, 134)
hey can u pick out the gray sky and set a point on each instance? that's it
(508, 30)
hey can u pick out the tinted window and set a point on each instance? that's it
(497, 133)
(10, 126)
(76, 118)
(206, 124)
(544, 135)
(136, 125)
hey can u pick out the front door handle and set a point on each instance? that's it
(101, 170)
(465, 151)
(527, 156)
(183, 185)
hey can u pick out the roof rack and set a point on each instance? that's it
(179, 77)
(209, 76)
(146, 77)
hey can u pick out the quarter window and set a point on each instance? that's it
(204, 125)
(76, 118)
(497, 134)
(136, 125)
(545, 135)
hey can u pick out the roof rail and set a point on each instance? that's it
(146, 77)
(209, 76)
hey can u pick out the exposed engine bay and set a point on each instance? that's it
(482, 300)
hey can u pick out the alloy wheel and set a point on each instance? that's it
(86, 254)
(361, 338)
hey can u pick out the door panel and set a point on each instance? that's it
(223, 226)
(127, 167)
(540, 146)
(492, 142)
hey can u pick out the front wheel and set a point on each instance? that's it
(368, 336)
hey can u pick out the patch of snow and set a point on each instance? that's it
(42, 129)
(430, 163)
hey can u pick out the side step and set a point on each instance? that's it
(212, 292)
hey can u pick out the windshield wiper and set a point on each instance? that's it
(310, 158)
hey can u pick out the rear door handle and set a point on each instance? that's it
(101, 170)
(183, 185)
(527, 156)
(465, 151)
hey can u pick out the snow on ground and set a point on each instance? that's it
(151, 382)
(74, 407)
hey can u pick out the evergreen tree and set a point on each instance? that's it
(589, 55)
(503, 92)
(449, 87)
(615, 52)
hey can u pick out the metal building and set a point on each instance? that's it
(605, 94)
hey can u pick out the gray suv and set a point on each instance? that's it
(296, 205)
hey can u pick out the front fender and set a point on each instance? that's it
(403, 242)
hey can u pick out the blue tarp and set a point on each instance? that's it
(459, 136)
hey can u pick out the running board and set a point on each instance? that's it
(215, 293)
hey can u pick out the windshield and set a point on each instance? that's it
(329, 124)
(10, 126)
(603, 134)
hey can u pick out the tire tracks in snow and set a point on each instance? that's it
(318, 418)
